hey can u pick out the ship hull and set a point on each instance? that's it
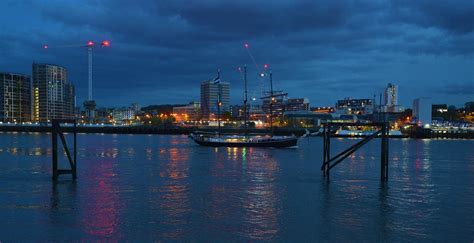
(283, 143)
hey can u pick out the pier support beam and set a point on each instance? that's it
(330, 162)
(384, 153)
(55, 132)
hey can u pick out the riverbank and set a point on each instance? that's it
(153, 130)
(421, 133)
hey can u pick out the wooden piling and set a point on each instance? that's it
(55, 132)
(329, 162)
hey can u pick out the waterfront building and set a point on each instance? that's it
(297, 104)
(136, 108)
(238, 111)
(103, 115)
(391, 117)
(350, 106)
(89, 107)
(188, 112)
(278, 107)
(53, 94)
(391, 98)
(15, 97)
(309, 119)
(210, 92)
(439, 108)
(322, 109)
(422, 111)
(123, 115)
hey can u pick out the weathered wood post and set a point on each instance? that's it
(55, 132)
(384, 152)
(55, 148)
(387, 135)
(328, 149)
(74, 168)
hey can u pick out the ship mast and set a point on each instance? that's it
(245, 100)
(271, 103)
(219, 102)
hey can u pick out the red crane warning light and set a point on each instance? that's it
(246, 45)
(45, 46)
(90, 44)
(105, 43)
(265, 66)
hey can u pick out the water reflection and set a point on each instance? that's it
(173, 206)
(385, 216)
(101, 203)
(136, 188)
(261, 199)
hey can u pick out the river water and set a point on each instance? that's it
(161, 187)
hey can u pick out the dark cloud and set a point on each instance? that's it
(161, 50)
(464, 89)
(451, 15)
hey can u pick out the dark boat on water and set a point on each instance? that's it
(244, 141)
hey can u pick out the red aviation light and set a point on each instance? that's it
(45, 47)
(265, 66)
(246, 45)
(105, 43)
(90, 44)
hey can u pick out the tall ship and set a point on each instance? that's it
(245, 140)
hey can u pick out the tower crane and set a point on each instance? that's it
(89, 104)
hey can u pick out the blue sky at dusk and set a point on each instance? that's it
(323, 50)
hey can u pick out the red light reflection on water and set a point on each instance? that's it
(101, 205)
(174, 199)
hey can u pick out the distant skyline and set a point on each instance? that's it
(323, 50)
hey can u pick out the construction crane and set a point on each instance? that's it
(89, 104)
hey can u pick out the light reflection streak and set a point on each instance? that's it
(101, 209)
(262, 197)
(174, 199)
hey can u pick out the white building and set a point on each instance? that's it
(422, 111)
(123, 114)
(391, 98)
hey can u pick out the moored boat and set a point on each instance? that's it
(360, 133)
(244, 141)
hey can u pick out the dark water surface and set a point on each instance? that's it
(158, 187)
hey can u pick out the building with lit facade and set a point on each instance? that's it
(53, 94)
(104, 115)
(350, 106)
(322, 109)
(190, 112)
(136, 108)
(297, 104)
(123, 115)
(238, 111)
(390, 102)
(210, 92)
(278, 106)
(422, 111)
(438, 110)
(390, 97)
(15, 97)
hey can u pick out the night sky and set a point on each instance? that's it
(323, 50)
